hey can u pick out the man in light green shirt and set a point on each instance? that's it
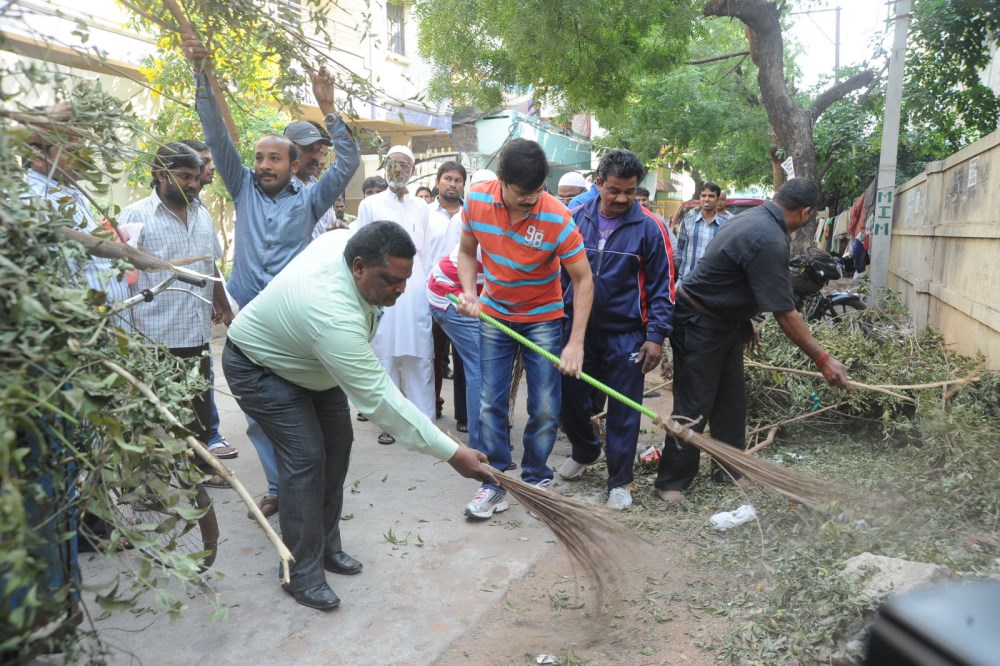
(295, 355)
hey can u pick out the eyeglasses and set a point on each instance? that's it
(402, 166)
(525, 198)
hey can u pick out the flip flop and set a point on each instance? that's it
(362, 417)
(268, 506)
(223, 451)
(216, 481)
(462, 427)
(386, 438)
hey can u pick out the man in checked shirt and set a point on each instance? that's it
(173, 223)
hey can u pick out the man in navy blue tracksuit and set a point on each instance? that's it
(631, 259)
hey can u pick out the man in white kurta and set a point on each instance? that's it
(403, 343)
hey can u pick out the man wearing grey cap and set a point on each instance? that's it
(313, 143)
(275, 211)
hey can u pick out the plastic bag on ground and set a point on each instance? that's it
(726, 519)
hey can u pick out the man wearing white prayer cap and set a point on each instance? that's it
(404, 344)
(571, 184)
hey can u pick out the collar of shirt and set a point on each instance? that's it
(437, 207)
(53, 190)
(718, 219)
(154, 202)
(776, 213)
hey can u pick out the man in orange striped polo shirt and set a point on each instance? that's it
(525, 236)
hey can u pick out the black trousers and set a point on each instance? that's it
(708, 386)
(312, 435)
(442, 346)
(201, 404)
(458, 378)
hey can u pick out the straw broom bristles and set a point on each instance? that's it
(593, 540)
(801, 487)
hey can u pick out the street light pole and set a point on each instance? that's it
(882, 229)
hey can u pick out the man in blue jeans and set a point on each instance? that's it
(275, 213)
(527, 237)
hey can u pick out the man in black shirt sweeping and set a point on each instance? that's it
(744, 272)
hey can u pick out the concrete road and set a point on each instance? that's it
(413, 599)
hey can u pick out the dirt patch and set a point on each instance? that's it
(550, 612)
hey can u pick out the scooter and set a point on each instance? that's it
(810, 273)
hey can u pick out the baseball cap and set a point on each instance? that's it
(304, 133)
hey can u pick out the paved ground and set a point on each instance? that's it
(412, 600)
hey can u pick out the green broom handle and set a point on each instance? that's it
(555, 359)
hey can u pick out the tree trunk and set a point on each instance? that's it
(791, 125)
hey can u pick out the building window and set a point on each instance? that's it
(394, 13)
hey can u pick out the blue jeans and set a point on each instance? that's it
(312, 436)
(464, 335)
(496, 362)
(265, 452)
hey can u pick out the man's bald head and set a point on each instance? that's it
(275, 159)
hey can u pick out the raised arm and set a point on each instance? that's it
(335, 179)
(224, 153)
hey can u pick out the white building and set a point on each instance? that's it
(384, 52)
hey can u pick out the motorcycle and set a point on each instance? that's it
(810, 273)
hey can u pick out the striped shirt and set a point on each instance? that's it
(695, 235)
(443, 280)
(521, 262)
(174, 318)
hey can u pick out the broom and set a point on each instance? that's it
(801, 487)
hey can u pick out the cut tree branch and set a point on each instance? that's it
(837, 92)
(199, 450)
(738, 54)
(213, 81)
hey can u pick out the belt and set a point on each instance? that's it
(236, 349)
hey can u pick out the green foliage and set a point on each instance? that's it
(949, 47)
(590, 53)
(706, 118)
(70, 430)
(258, 52)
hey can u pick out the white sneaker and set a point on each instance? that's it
(487, 502)
(619, 498)
(541, 485)
(571, 469)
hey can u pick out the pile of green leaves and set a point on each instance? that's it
(924, 475)
(878, 347)
(70, 429)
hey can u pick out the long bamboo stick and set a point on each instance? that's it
(810, 373)
(213, 81)
(974, 376)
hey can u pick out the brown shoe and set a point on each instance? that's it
(268, 506)
(671, 496)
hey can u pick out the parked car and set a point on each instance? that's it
(733, 207)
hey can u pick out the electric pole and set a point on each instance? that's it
(882, 229)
